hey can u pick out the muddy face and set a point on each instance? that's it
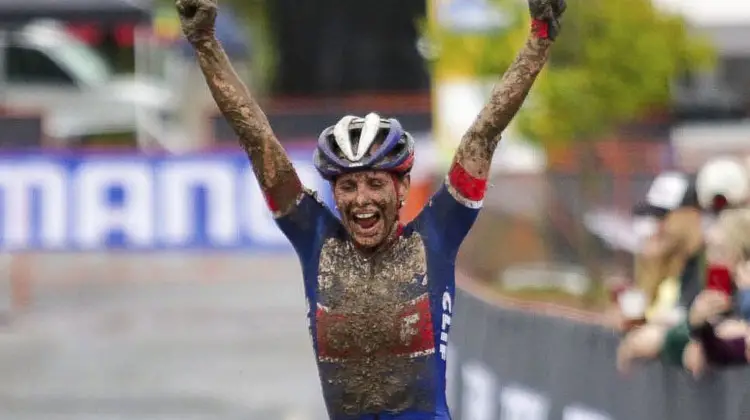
(369, 204)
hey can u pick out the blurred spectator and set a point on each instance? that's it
(728, 246)
(668, 266)
(721, 184)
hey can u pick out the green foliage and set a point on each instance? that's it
(479, 53)
(614, 61)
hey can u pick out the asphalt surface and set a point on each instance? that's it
(180, 337)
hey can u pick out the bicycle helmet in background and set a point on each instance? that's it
(723, 183)
(359, 144)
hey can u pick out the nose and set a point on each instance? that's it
(362, 199)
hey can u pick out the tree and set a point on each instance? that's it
(614, 60)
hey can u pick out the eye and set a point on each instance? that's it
(375, 183)
(347, 186)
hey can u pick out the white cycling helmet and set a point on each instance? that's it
(721, 183)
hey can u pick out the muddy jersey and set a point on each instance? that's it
(380, 325)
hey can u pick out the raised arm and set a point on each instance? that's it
(276, 175)
(480, 141)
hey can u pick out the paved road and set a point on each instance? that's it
(111, 342)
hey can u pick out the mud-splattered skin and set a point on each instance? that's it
(480, 141)
(370, 191)
(271, 165)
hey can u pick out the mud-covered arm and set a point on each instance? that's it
(453, 209)
(273, 168)
(474, 155)
(478, 145)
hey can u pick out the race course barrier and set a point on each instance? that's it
(510, 363)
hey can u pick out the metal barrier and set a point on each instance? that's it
(515, 364)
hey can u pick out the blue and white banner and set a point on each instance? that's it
(135, 202)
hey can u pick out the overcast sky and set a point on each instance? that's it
(711, 12)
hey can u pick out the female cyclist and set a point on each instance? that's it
(380, 293)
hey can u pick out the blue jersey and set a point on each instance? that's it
(380, 325)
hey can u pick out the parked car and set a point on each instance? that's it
(45, 69)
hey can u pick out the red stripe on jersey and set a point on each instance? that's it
(417, 328)
(467, 185)
(270, 202)
(415, 331)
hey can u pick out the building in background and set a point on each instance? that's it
(713, 108)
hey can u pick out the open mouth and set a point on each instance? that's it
(366, 221)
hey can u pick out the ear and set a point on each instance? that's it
(405, 184)
(403, 190)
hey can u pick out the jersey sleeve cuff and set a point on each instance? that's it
(465, 188)
(472, 204)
